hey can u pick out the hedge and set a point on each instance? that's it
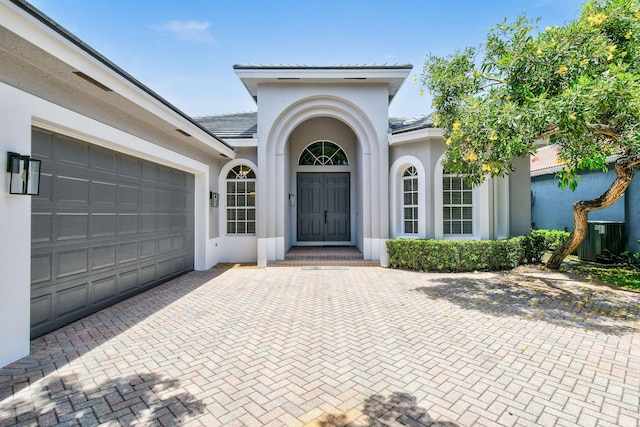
(552, 238)
(465, 255)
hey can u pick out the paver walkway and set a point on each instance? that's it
(341, 346)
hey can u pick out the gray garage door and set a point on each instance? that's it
(105, 226)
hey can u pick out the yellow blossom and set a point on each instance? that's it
(421, 92)
(456, 126)
(448, 141)
(628, 35)
(624, 54)
(495, 170)
(472, 157)
(486, 168)
(415, 79)
(433, 103)
(597, 19)
(612, 48)
(562, 70)
(547, 29)
(610, 57)
(539, 52)
(584, 61)
(501, 27)
(493, 137)
(572, 117)
(508, 97)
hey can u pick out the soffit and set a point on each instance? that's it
(391, 75)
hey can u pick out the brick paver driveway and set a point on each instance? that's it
(341, 346)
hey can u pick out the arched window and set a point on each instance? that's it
(241, 200)
(410, 200)
(457, 205)
(323, 153)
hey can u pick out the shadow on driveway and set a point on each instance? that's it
(56, 349)
(397, 409)
(135, 400)
(531, 293)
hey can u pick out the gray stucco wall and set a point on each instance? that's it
(552, 206)
(519, 206)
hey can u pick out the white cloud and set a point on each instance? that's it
(191, 31)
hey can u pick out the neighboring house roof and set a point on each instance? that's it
(545, 160)
(402, 124)
(245, 125)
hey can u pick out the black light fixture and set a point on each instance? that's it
(24, 174)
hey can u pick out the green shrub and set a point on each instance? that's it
(552, 238)
(464, 255)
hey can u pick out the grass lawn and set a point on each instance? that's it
(625, 276)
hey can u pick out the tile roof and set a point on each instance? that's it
(245, 125)
(237, 125)
(545, 158)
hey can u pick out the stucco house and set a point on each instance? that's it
(551, 207)
(134, 192)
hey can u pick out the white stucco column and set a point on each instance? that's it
(15, 228)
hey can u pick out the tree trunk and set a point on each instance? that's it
(625, 170)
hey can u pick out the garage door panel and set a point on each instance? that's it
(41, 309)
(41, 268)
(103, 257)
(104, 193)
(72, 226)
(72, 299)
(117, 225)
(71, 262)
(70, 152)
(72, 190)
(104, 290)
(104, 224)
(41, 227)
(104, 160)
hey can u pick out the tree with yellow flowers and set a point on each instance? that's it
(577, 85)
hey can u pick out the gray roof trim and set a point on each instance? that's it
(31, 10)
(319, 67)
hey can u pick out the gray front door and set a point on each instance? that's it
(105, 226)
(323, 207)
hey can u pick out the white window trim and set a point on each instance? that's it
(222, 206)
(479, 192)
(396, 197)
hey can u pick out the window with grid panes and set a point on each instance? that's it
(410, 200)
(457, 206)
(241, 200)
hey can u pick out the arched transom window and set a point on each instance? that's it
(323, 153)
(457, 205)
(241, 200)
(410, 200)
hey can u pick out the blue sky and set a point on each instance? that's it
(185, 50)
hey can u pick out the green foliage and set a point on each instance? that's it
(578, 85)
(464, 255)
(552, 238)
(633, 257)
(624, 276)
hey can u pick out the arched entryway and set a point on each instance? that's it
(323, 194)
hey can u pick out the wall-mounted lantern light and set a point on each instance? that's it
(292, 200)
(24, 174)
(214, 197)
